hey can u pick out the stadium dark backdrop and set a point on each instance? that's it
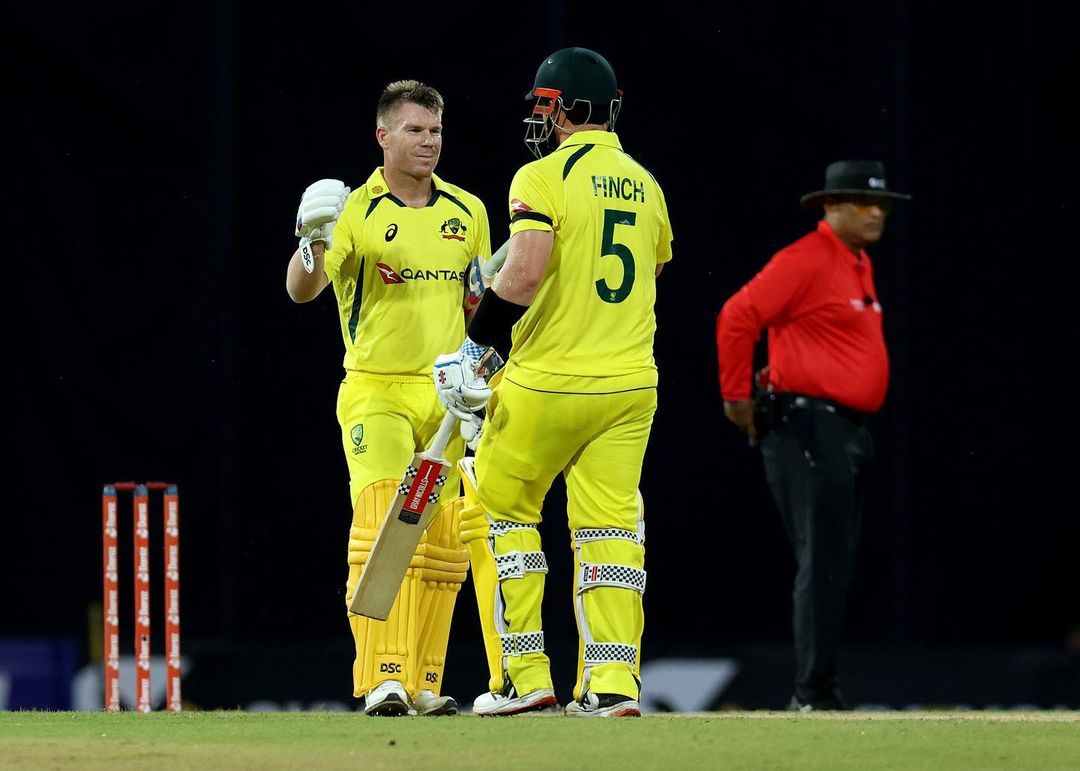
(159, 155)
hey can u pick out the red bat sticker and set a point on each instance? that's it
(421, 487)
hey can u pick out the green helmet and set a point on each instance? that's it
(568, 79)
(577, 73)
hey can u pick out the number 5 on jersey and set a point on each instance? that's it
(609, 246)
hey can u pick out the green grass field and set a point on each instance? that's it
(227, 740)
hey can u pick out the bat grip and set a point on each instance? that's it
(442, 438)
(494, 263)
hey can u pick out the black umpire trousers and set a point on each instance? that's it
(816, 464)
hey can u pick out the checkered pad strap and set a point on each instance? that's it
(606, 533)
(525, 642)
(620, 576)
(516, 564)
(609, 653)
(502, 527)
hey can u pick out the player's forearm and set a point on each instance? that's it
(316, 219)
(526, 264)
(301, 285)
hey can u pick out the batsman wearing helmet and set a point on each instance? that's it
(398, 253)
(589, 234)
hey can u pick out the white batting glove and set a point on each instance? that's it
(320, 207)
(471, 430)
(457, 385)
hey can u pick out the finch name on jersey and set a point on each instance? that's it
(618, 187)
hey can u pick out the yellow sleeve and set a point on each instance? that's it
(532, 204)
(482, 236)
(342, 240)
(481, 250)
(663, 246)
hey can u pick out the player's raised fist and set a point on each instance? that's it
(320, 207)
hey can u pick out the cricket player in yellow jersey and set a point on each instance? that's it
(398, 253)
(589, 235)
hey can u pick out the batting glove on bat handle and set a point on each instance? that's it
(457, 386)
(472, 429)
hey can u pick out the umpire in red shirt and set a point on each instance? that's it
(828, 370)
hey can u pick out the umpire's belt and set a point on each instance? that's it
(792, 401)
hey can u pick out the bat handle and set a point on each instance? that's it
(494, 263)
(442, 438)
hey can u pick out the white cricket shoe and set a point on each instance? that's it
(496, 704)
(428, 704)
(603, 705)
(387, 699)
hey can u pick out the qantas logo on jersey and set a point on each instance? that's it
(519, 207)
(390, 276)
(422, 274)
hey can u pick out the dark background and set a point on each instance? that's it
(158, 155)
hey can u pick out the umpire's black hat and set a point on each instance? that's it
(852, 178)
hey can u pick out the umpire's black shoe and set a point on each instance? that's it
(835, 704)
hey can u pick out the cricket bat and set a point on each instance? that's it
(406, 520)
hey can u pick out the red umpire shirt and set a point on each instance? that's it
(818, 301)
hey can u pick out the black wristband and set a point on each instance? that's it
(493, 318)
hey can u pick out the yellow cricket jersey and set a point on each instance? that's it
(591, 326)
(399, 275)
